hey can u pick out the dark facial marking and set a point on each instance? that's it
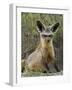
(47, 35)
(44, 35)
(50, 35)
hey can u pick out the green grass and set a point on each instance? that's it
(34, 74)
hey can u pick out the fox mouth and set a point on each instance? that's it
(48, 40)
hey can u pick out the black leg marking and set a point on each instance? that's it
(44, 71)
(56, 67)
(47, 68)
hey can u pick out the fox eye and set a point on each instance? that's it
(44, 35)
(50, 35)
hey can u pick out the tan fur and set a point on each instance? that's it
(44, 53)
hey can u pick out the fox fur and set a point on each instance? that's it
(44, 53)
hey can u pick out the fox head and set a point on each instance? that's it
(46, 33)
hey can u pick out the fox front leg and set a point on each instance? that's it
(47, 69)
(56, 67)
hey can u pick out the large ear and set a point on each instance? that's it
(40, 26)
(54, 27)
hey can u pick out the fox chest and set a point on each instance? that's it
(48, 54)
